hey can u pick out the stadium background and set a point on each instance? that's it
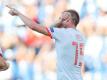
(32, 56)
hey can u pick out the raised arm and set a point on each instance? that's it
(28, 22)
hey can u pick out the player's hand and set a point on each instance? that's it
(12, 11)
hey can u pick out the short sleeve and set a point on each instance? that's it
(55, 33)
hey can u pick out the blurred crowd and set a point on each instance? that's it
(32, 55)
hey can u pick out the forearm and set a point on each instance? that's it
(33, 25)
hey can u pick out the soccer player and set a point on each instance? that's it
(69, 42)
(3, 64)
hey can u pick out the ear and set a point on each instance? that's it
(74, 21)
